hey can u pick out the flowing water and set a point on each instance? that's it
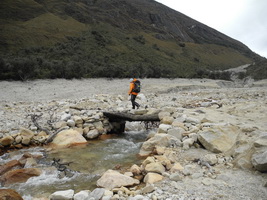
(87, 163)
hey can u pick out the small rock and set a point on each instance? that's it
(65, 117)
(136, 170)
(207, 181)
(147, 189)
(62, 195)
(82, 195)
(97, 193)
(211, 159)
(156, 167)
(163, 128)
(176, 167)
(152, 178)
(6, 141)
(71, 123)
(176, 177)
(92, 134)
(259, 161)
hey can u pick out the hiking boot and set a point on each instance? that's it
(138, 106)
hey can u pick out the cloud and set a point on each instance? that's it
(243, 20)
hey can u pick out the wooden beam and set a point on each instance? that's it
(120, 116)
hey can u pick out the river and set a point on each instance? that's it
(87, 163)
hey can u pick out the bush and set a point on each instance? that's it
(140, 39)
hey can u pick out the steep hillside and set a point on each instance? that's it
(110, 38)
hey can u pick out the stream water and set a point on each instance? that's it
(87, 163)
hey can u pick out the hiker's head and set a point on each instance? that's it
(131, 79)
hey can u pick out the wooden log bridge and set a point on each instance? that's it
(118, 119)
(122, 116)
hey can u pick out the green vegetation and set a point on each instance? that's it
(105, 51)
(88, 38)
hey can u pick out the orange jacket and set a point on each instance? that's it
(132, 87)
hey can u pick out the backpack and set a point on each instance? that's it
(137, 86)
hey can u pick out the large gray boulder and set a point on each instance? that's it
(219, 139)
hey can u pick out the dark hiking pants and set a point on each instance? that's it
(133, 97)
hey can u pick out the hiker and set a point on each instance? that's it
(133, 91)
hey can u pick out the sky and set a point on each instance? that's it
(243, 20)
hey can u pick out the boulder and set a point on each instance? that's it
(259, 160)
(18, 139)
(156, 167)
(62, 195)
(163, 128)
(9, 166)
(136, 170)
(187, 143)
(68, 138)
(167, 120)
(261, 141)
(71, 123)
(176, 132)
(176, 167)
(162, 140)
(99, 126)
(65, 117)
(26, 140)
(211, 159)
(112, 179)
(97, 194)
(219, 139)
(152, 178)
(6, 141)
(148, 160)
(92, 134)
(9, 194)
(26, 133)
(147, 189)
(78, 120)
(82, 195)
(19, 175)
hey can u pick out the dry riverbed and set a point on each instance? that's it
(243, 105)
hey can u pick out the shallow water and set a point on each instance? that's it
(87, 163)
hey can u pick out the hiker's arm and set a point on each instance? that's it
(131, 88)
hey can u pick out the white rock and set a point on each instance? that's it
(71, 123)
(163, 128)
(82, 195)
(65, 116)
(97, 193)
(187, 143)
(62, 195)
(92, 134)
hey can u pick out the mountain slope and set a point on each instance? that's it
(109, 38)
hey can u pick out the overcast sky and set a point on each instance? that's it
(243, 20)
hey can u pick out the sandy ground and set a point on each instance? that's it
(43, 90)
